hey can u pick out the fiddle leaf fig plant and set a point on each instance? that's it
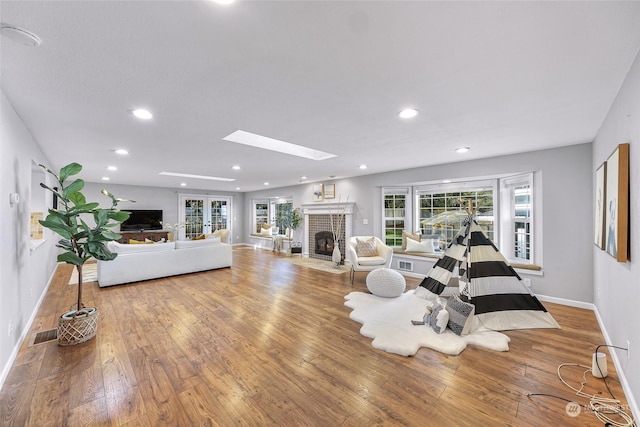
(81, 241)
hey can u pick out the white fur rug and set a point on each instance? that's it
(388, 322)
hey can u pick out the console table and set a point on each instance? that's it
(140, 236)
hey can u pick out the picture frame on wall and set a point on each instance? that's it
(330, 191)
(617, 203)
(318, 192)
(600, 204)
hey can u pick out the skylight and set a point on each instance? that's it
(186, 175)
(259, 141)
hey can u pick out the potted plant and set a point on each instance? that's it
(289, 218)
(79, 243)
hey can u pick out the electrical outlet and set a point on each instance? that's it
(628, 349)
(12, 324)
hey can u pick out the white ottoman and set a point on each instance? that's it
(385, 282)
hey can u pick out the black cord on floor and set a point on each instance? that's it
(600, 369)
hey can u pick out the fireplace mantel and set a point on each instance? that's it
(346, 208)
(318, 208)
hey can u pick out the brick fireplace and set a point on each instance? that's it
(318, 239)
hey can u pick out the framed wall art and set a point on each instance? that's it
(599, 208)
(330, 191)
(318, 192)
(617, 204)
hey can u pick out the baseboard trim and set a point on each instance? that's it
(569, 302)
(635, 410)
(25, 332)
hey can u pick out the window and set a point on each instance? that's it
(273, 211)
(505, 211)
(517, 195)
(260, 214)
(442, 208)
(395, 212)
(203, 214)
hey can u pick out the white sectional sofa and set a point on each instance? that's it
(136, 262)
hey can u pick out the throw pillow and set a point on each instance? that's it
(406, 235)
(266, 231)
(138, 242)
(366, 248)
(200, 237)
(437, 319)
(424, 246)
(460, 315)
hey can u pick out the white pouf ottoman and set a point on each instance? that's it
(385, 282)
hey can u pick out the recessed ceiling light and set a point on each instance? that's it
(235, 167)
(183, 184)
(462, 149)
(122, 152)
(446, 181)
(224, 1)
(112, 168)
(187, 175)
(143, 114)
(259, 141)
(362, 166)
(303, 177)
(408, 113)
(20, 35)
(237, 188)
(105, 178)
(266, 183)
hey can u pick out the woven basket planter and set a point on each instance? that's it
(74, 330)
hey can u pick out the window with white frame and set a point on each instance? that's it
(441, 209)
(505, 211)
(272, 211)
(517, 214)
(396, 214)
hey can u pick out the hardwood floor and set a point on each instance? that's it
(268, 342)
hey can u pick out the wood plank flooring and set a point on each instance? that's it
(270, 343)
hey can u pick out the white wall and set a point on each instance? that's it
(617, 285)
(566, 208)
(24, 274)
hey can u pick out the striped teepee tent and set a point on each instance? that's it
(502, 301)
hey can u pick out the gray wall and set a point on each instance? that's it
(617, 285)
(566, 208)
(165, 199)
(24, 274)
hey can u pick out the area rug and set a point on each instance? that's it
(316, 264)
(388, 322)
(89, 274)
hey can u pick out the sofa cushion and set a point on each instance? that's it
(184, 244)
(138, 242)
(372, 260)
(120, 248)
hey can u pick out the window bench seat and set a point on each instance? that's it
(267, 242)
(419, 263)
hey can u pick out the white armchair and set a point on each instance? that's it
(368, 263)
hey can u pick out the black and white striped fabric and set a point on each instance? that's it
(502, 301)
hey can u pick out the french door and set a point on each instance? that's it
(199, 214)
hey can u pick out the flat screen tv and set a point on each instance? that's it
(142, 220)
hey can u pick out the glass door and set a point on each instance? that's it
(195, 219)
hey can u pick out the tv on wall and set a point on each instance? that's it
(140, 220)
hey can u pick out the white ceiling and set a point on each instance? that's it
(499, 77)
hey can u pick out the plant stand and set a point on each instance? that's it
(76, 329)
